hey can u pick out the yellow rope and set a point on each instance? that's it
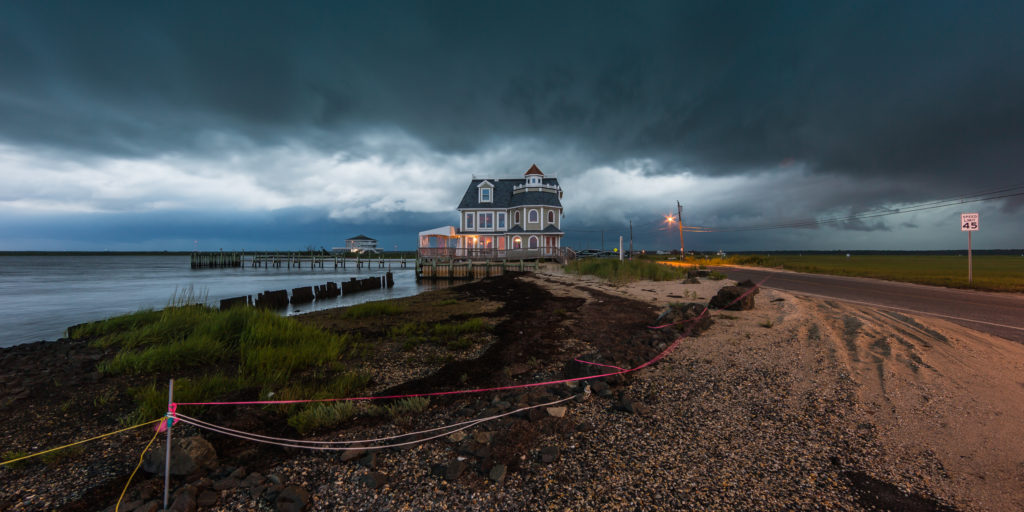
(141, 457)
(79, 442)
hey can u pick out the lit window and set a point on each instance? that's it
(486, 220)
(518, 218)
(551, 217)
(517, 242)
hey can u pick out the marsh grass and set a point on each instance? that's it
(15, 454)
(370, 309)
(626, 271)
(455, 336)
(222, 352)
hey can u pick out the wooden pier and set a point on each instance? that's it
(200, 260)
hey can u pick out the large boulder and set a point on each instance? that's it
(735, 298)
(689, 317)
(188, 456)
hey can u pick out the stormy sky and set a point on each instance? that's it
(260, 125)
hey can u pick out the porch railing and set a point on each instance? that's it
(560, 254)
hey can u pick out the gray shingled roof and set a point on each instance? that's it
(503, 197)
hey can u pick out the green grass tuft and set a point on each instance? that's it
(626, 271)
(321, 415)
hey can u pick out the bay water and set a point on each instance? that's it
(41, 296)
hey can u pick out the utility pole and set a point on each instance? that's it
(630, 239)
(682, 248)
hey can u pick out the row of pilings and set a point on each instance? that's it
(278, 299)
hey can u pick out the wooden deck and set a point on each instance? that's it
(459, 263)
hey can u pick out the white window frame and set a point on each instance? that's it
(551, 216)
(534, 242)
(468, 223)
(517, 242)
(519, 219)
(533, 213)
(490, 195)
(480, 217)
(499, 222)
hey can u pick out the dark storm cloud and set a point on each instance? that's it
(927, 91)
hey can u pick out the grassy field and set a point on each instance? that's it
(624, 271)
(991, 272)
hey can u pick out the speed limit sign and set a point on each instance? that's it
(968, 222)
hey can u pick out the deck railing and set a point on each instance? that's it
(560, 254)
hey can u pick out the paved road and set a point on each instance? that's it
(1001, 314)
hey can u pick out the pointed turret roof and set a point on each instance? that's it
(533, 170)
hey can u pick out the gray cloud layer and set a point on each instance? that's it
(925, 96)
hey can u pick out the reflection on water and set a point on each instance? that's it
(41, 296)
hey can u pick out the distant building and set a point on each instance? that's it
(360, 243)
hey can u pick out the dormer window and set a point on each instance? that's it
(485, 195)
(533, 180)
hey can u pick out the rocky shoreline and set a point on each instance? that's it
(757, 413)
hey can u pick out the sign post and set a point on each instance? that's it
(969, 223)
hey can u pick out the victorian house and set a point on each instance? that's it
(512, 217)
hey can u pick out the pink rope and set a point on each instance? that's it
(599, 364)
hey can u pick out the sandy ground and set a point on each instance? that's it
(944, 403)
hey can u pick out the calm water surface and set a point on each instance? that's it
(41, 296)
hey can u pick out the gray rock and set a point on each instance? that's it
(149, 506)
(631, 406)
(185, 502)
(354, 454)
(207, 499)
(252, 480)
(483, 437)
(482, 451)
(369, 460)
(549, 454)
(131, 505)
(226, 483)
(291, 499)
(455, 469)
(497, 473)
(374, 479)
(238, 473)
(188, 455)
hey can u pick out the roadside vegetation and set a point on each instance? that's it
(625, 271)
(991, 272)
